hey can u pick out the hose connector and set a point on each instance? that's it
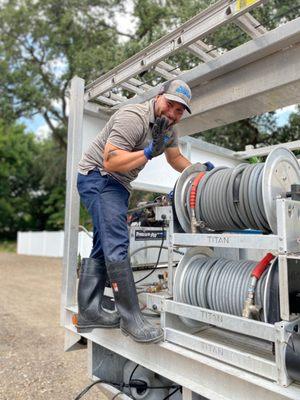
(251, 310)
(249, 302)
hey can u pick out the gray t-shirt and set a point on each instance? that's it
(128, 129)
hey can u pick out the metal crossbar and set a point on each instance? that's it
(232, 323)
(259, 365)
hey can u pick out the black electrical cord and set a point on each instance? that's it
(130, 378)
(158, 258)
(137, 383)
(164, 387)
(171, 394)
(85, 390)
(117, 385)
(148, 387)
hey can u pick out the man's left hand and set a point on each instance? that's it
(160, 138)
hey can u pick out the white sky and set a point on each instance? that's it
(126, 22)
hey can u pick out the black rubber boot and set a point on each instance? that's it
(90, 294)
(133, 323)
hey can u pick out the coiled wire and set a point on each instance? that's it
(231, 199)
(220, 284)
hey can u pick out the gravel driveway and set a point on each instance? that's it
(33, 364)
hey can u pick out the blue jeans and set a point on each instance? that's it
(107, 203)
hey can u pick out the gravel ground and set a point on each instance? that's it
(33, 364)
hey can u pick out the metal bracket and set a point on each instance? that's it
(288, 225)
(283, 331)
(228, 240)
(163, 213)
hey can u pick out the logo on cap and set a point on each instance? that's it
(184, 91)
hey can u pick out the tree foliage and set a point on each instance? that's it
(51, 162)
(288, 132)
(19, 180)
(44, 44)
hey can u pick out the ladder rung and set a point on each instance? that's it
(209, 49)
(169, 68)
(204, 55)
(138, 83)
(132, 88)
(107, 101)
(167, 75)
(250, 25)
(114, 96)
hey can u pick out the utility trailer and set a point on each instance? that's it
(211, 354)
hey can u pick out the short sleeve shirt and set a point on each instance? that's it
(128, 129)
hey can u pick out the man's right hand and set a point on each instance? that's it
(159, 138)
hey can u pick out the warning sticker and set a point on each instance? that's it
(240, 4)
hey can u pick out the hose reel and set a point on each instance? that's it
(222, 285)
(237, 198)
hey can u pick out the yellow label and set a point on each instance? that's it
(240, 4)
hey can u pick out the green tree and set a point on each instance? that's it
(50, 162)
(7, 111)
(289, 132)
(236, 136)
(19, 181)
(43, 44)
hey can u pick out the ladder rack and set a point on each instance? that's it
(188, 36)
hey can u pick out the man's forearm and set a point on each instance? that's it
(180, 163)
(117, 160)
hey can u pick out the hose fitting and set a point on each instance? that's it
(250, 309)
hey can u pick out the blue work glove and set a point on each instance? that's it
(160, 139)
(209, 165)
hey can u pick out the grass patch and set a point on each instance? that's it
(8, 246)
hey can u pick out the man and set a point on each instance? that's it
(130, 139)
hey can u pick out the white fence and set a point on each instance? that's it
(50, 244)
